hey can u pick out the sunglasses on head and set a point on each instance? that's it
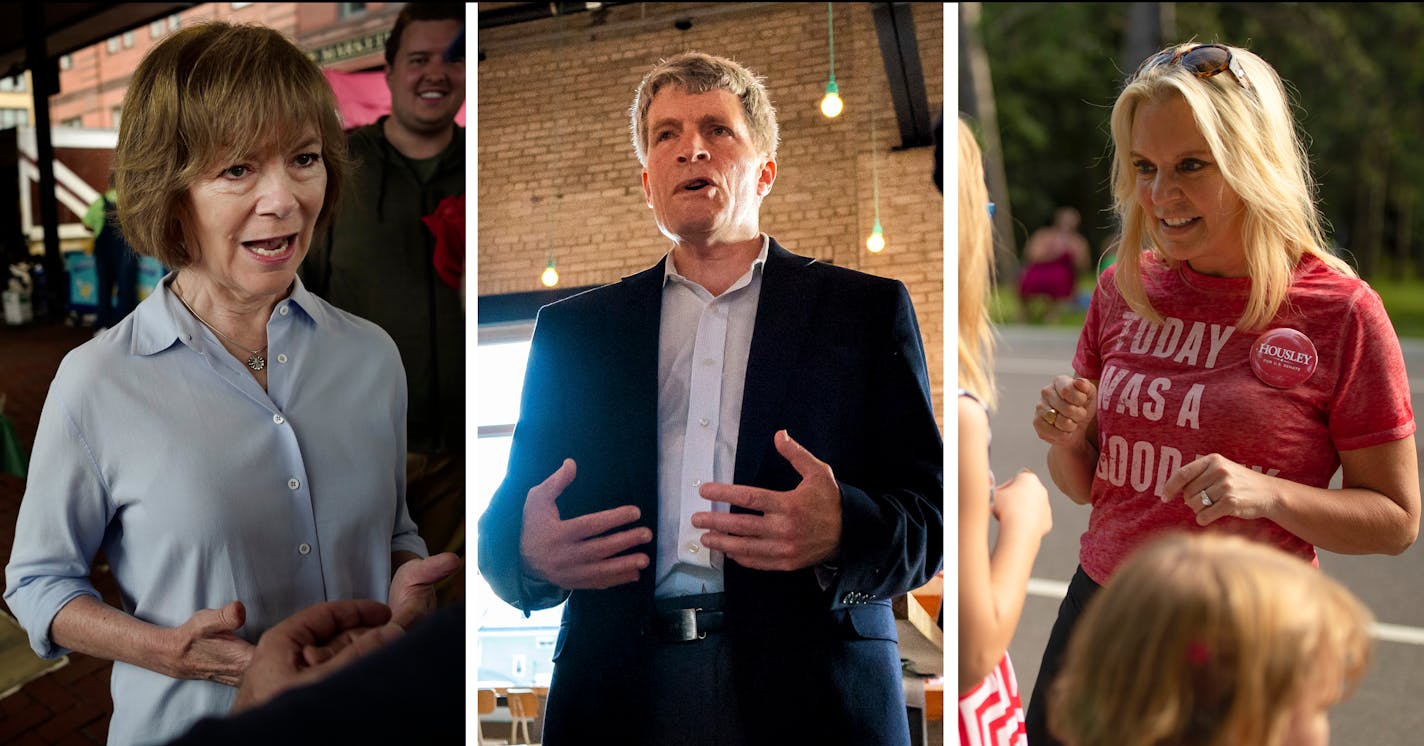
(1203, 60)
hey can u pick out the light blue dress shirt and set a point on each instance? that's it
(704, 342)
(160, 448)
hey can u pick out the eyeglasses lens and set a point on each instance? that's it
(1206, 61)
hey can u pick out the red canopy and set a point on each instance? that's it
(363, 97)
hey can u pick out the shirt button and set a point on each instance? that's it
(304, 548)
(703, 422)
(293, 483)
(692, 548)
(282, 358)
(283, 310)
(279, 419)
(697, 483)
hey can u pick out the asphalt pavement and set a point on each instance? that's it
(1384, 710)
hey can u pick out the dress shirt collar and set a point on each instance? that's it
(670, 273)
(157, 324)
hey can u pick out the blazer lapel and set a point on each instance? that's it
(638, 371)
(787, 303)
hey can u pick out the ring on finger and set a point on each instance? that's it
(1051, 416)
(1205, 499)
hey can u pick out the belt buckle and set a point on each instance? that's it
(683, 627)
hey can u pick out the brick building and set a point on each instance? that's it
(558, 177)
(341, 36)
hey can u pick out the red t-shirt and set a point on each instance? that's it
(1171, 393)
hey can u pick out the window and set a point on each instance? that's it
(115, 114)
(10, 118)
(349, 10)
(112, 44)
(513, 649)
(72, 122)
(128, 39)
(155, 29)
(173, 22)
(14, 84)
(66, 62)
(240, 6)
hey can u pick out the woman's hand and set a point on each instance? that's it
(1021, 504)
(1215, 487)
(413, 587)
(1066, 410)
(205, 648)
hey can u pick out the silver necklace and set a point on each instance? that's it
(255, 360)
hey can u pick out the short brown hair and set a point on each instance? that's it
(696, 72)
(420, 12)
(206, 93)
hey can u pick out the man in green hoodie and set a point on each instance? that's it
(377, 259)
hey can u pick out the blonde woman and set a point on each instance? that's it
(1211, 640)
(992, 583)
(1229, 364)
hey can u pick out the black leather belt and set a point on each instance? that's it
(674, 622)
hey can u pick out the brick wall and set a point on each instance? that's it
(558, 176)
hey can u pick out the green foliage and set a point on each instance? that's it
(1404, 299)
(1353, 70)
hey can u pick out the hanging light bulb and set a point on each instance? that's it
(876, 243)
(831, 103)
(550, 277)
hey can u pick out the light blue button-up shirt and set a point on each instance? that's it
(704, 343)
(159, 447)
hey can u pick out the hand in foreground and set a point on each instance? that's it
(204, 647)
(1067, 406)
(572, 554)
(796, 529)
(1022, 504)
(310, 644)
(412, 594)
(1230, 489)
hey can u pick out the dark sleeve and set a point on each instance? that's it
(410, 691)
(316, 267)
(533, 456)
(892, 526)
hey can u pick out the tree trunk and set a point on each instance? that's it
(979, 105)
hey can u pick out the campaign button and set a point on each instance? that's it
(1283, 358)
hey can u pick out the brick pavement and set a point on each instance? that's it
(70, 707)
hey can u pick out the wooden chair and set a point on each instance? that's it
(486, 701)
(523, 710)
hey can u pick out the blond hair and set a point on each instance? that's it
(1252, 137)
(695, 72)
(1207, 640)
(976, 273)
(205, 95)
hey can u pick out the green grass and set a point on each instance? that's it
(1403, 299)
(1004, 308)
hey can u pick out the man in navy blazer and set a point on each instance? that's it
(728, 464)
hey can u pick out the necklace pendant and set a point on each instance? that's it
(256, 362)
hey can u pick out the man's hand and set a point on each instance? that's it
(204, 647)
(310, 644)
(412, 595)
(796, 529)
(572, 554)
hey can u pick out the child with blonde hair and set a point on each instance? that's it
(1210, 640)
(991, 584)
